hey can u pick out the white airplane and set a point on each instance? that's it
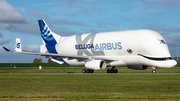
(136, 49)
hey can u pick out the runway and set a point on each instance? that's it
(90, 73)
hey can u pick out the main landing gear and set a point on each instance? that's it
(154, 70)
(112, 70)
(88, 71)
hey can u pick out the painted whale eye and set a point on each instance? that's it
(129, 51)
(163, 42)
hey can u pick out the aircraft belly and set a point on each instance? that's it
(74, 62)
(130, 60)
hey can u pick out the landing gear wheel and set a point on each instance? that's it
(115, 71)
(154, 71)
(88, 71)
(112, 70)
(84, 71)
(91, 71)
(108, 71)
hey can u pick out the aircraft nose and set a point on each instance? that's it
(171, 63)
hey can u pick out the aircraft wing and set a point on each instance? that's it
(59, 56)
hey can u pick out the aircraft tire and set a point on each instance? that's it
(108, 71)
(88, 71)
(154, 71)
(112, 70)
(115, 71)
(92, 71)
(84, 71)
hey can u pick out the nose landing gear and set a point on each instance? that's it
(154, 70)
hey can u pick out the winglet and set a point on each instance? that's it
(18, 45)
(7, 49)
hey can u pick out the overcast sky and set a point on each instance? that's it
(18, 19)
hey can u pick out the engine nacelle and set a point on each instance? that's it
(96, 64)
(137, 67)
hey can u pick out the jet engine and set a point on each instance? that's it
(138, 67)
(96, 64)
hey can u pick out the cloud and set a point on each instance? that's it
(149, 1)
(80, 7)
(160, 4)
(66, 22)
(120, 3)
(173, 41)
(4, 40)
(72, 2)
(11, 19)
(29, 28)
(33, 28)
(62, 31)
(173, 44)
(10, 14)
(165, 29)
(101, 24)
(170, 3)
(0, 34)
(33, 48)
(36, 12)
(128, 19)
(9, 26)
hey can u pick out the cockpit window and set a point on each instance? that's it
(162, 41)
(157, 59)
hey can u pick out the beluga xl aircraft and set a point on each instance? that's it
(136, 49)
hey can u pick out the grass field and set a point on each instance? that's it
(79, 70)
(89, 87)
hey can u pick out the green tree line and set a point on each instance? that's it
(39, 60)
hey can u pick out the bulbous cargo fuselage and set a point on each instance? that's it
(136, 47)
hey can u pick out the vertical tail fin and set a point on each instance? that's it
(50, 39)
(18, 45)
